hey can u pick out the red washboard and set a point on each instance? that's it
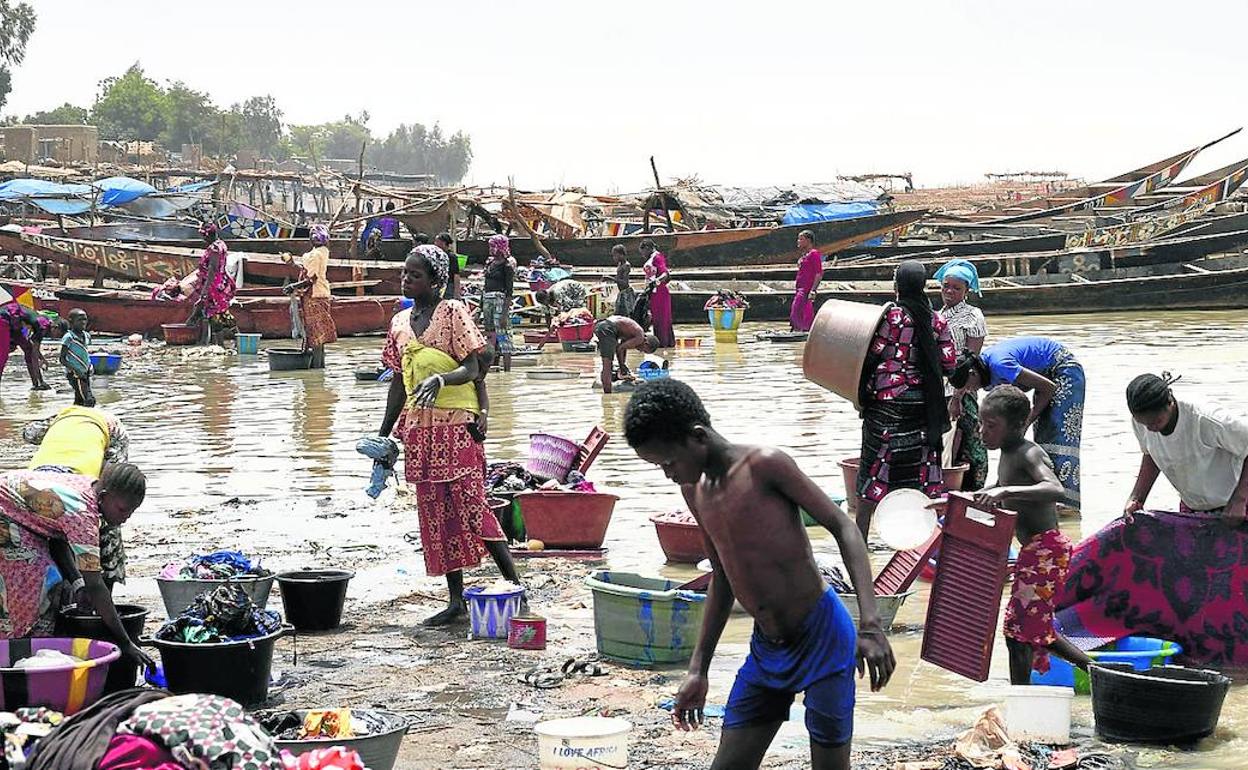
(904, 568)
(590, 448)
(966, 596)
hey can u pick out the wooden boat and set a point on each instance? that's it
(157, 263)
(712, 248)
(127, 312)
(175, 234)
(1210, 283)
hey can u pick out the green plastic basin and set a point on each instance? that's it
(644, 622)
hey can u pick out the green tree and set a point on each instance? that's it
(414, 149)
(190, 118)
(130, 107)
(261, 124)
(17, 23)
(65, 115)
(340, 139)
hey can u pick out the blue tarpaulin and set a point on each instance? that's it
(120, 190)
(52, 197)
(805, 213)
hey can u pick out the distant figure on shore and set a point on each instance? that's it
(627, 296)
(616, 336)
(746, 500)
(445, 242)
(809, 274)
(1027, 485)
(1046, 367)
(76, 357)
(500, 278)
(435, 351)
(958, 278)
(387, 224)
(214, 288)
(315, 297)
(904, 412)
(657, 277)
(21, 327)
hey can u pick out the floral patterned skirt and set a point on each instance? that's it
(318, 322)
(1059, 430)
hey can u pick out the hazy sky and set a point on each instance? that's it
(582, 93)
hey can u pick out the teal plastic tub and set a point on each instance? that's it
(644, 622)
(248, 344)
(1141, 652)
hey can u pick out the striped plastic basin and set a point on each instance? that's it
(67, 689)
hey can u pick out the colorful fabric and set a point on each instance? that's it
(333, 758)
(319, 234)
(318, 321)
(660, 301)
(964, 321)
(78, 357)
(217, 295)
(818, 661)
(568, 294)
(420, 363)
(205, 732)
(438, 261)
(809, 272)
(1059, 428)
(962, 269)
(224, 615)
(893, 357)
(131, 752)
(496, 315)
(499, 245)
(455, 518)
(36, 507)
(1007, 359)
(450, 330)
(1175, 576)
(1039, 574)
(207, 229)
(971, 449)
(896, 453)
(78, 438)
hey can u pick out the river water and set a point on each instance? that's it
(207, 429)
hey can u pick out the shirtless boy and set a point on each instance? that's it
(745, 498)
(616, 336)
(1027, 484)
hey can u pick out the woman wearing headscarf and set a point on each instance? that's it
(21, 327)
(904, 412)
(214, 289)
(315, 297)
(809, 274)
(434, 349)
(1046, 367)
(657, 278)
(500, 279)
(1177, 575)
(958, 278)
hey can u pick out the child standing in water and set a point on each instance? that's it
(1027, 484)
(746, 501)
(76, 358)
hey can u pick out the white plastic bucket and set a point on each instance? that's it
(1038, 713)
(583, 743)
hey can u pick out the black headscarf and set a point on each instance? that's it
(911, 280)
(1150, 393)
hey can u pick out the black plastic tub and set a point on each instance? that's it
(72, 622)
(289, 359)
(313, 598)
(238, 670)
(1165, 704)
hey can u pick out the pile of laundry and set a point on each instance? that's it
(505, 479)
(219, 565)
(224, 614)
(22, 729)
(323, 723)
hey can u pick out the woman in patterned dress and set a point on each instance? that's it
(1045, 366)
(315, 297)
(904, 412)
(958, 278)
(433, 348)
(657, 278)
(215, 289)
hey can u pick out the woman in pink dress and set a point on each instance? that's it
(215, 288)
(661, 298)
(809, 274)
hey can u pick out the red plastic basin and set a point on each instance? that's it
(578, 333)
(681, 543)
(567, 519)
(180, 334)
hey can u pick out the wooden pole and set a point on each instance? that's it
(671, 228)
(357, 269)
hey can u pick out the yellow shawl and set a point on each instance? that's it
(421, 362)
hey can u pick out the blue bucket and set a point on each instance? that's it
(488, 613)
(248, 344)
(105, 363)
(1141, 652)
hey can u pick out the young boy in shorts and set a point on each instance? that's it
(1027, 485)
(746, 500)
(616, 336)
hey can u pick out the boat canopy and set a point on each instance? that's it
(805, 213)
(114, 191)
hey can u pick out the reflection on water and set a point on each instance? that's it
(208, 429)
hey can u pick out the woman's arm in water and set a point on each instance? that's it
(1044, 388)
(873, 646)
(1144, 481)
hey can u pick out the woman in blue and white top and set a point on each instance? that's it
(958, 278)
